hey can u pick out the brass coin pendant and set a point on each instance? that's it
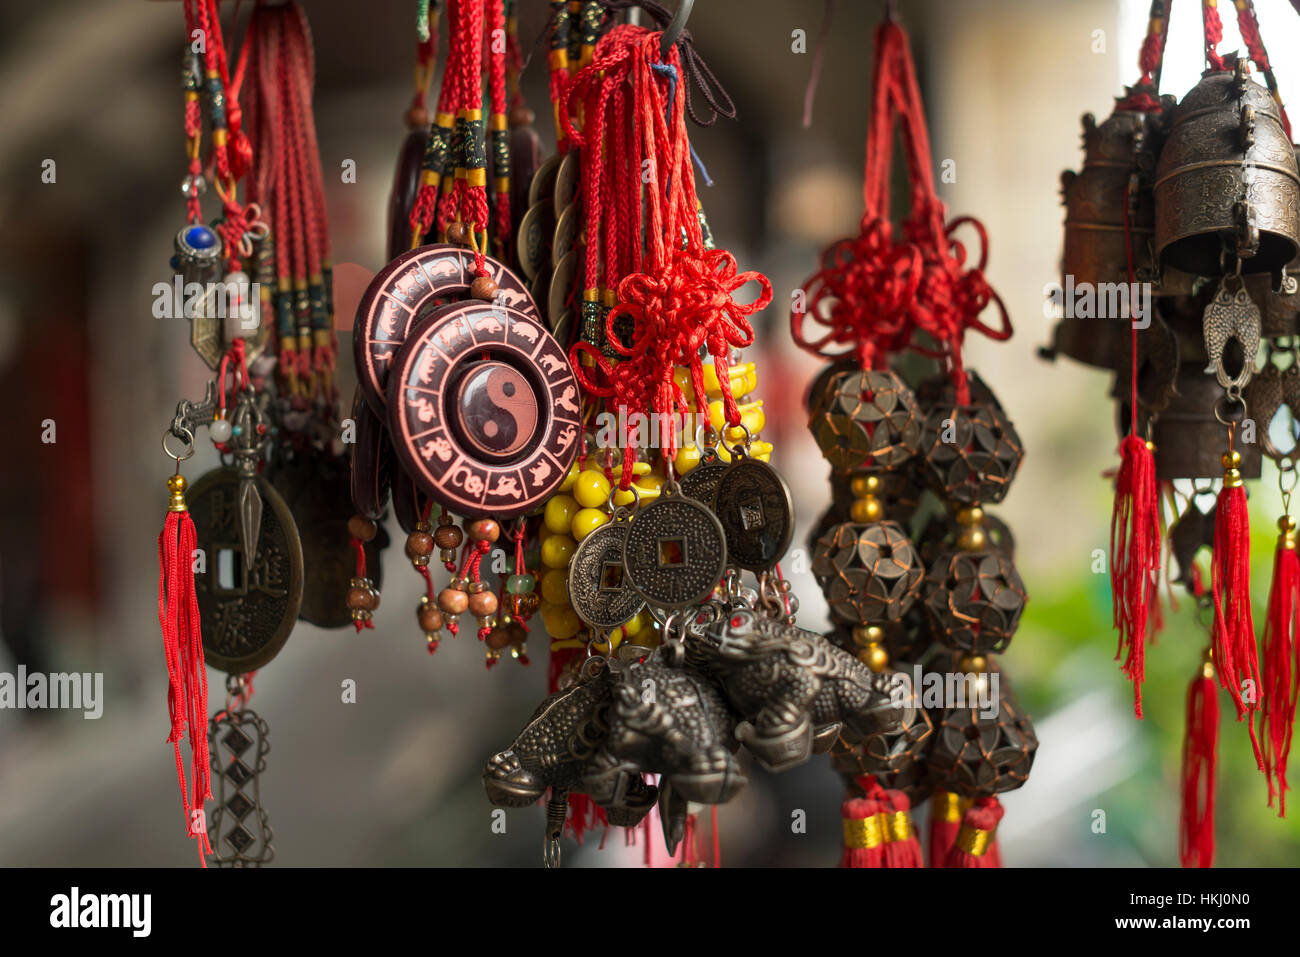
(675, 553)
(753, 505)
(246, 612)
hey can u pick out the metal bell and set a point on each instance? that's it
(1188, 435)
(1118, 154)
(1118, 170)
(1227, 186)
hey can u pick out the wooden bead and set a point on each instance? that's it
(484, 288)
(453, 601)
(484, 530)
(521, 116)
(499, 638)
(418, 118)
(362, 528)
(429, 617)
(483, 604)
(362, 598)
(419, 545)
(458, 233)
(448, 536)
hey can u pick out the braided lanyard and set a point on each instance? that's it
(202, 19)
(463, 209)
(278, 63)
(679, 296)
(498, 54)
(876, 294)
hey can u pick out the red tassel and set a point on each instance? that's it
(864, 844)
(946, 809)
(584, 815)
(1235, 655)
(902, 847)
(1281, 662)
(1134, 557)
(1200, 747)
(978, 826)
(187, 689)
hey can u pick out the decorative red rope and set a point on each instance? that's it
(874, 294)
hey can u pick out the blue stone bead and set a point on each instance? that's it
(200, 237)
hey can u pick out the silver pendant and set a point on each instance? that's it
(754, 506)
(240, 833)
(597, 587)
(1231, 316)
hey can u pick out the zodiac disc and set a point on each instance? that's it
(675, 553)
(406, 290)
(597, 588)
(372, 461)
(483, 409)
(753, 504)
(246, 612)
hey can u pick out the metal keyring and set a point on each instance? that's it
(737, 450)
(188, 438)
(615, 509)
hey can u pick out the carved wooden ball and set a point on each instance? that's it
(969, 453)
(869, 573)
(973, 601)
(977, 756)
(865, 419)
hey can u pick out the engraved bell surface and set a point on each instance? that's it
(1227, 184)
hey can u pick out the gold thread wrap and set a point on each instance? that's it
(897, 826)
(974, 841)
(862, 832)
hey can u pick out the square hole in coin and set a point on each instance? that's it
(611, 576)
(672, 552)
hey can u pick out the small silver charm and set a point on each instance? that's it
(1231, 316)
(240, 833)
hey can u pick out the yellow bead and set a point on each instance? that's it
(558, 516)
(750, 380)
(866, 510)
(636, 625)
(686, 458)
(586, 521)
(761, 451)
(556, 551)
(592, 489)
(639, 467)
(561, 621)
(864, 485)
(570, 478)
(555, 587)
(682, 376)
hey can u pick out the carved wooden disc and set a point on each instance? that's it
(484, 410)
(406, 290)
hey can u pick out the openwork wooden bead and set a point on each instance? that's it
(969, 453)
(973, 601)
(869, 573)
(897, 758)
(865, 419)
(977, 756)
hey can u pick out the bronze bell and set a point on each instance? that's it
(1189, 437)
(1226, 185)
(1118, 168)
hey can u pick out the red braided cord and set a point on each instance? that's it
(1213, 33)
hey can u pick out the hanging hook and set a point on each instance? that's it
(675, 27)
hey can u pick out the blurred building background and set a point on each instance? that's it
(394, 778)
